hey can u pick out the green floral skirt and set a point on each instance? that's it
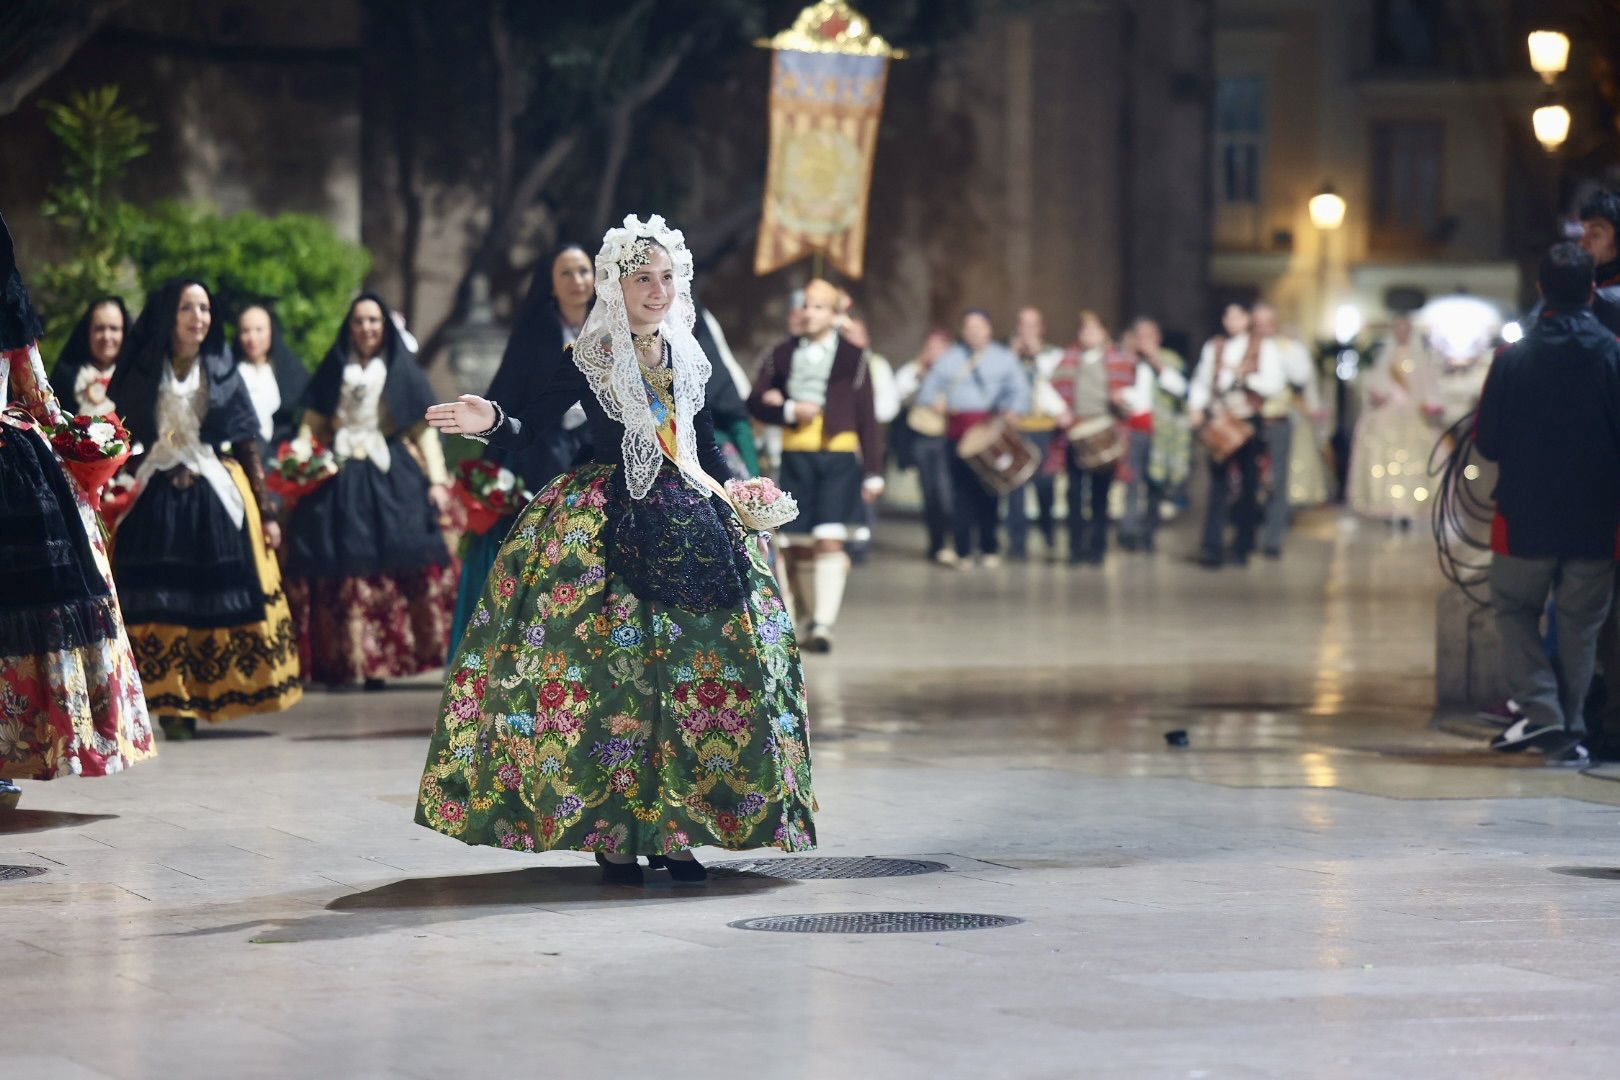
(578, 716)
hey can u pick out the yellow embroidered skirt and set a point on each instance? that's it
(207, 616)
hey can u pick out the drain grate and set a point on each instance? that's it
(810, 869)
(17, 873)
(876, 922)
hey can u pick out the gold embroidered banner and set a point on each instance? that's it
(825, 108)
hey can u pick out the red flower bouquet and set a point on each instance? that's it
(117, 497)
(298, 471)
(93, 449)
(489, 492)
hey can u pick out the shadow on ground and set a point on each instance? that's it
(436, 901)
(31, 821)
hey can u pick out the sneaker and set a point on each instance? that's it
(946, 557)
(1524, 733)
(1503, 714)
(1571, 755)
(989, 562)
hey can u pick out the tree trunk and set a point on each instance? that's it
(45, 58)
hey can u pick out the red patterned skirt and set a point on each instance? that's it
(383, 626)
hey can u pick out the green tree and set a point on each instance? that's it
(100, 138)
(296, 262)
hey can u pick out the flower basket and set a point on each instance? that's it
(760, 504)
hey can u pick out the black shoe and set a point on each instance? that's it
(178, 728)
(1208, 561)
(685, 871)
(1273, 553)
(1239, 558)
(375, 684)
(1523, 734)
(1570, 754)
(619, 873)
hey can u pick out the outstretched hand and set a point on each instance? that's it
(467, 415)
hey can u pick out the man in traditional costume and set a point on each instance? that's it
(818, 388)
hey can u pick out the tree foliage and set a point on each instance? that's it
(100, 138)
(296, 262)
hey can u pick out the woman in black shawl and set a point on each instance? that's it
(275, 376)
(201, 591)
(371, 580)
(90, 358)
(558, 300)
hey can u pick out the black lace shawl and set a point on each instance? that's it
(230, 417)
(292, 378)
(19, 326)
(75, 356)
(406, 394)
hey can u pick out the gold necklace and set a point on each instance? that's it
(645, 342)
(659, 378)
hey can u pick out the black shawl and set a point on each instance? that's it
(76, 356)
(230, 417)
(292, 378)
(531, 362)
(721, 393)
(406, 393)
(19, 326)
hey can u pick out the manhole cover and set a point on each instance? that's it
(17, 873)
(876, 922)
(808, 869)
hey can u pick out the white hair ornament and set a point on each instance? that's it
(607, 356)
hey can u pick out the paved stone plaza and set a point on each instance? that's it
(1319, 885)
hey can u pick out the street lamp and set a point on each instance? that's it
(1551, 123)
(1327, 209)
(1549, 54)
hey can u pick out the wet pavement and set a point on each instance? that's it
(1319, 884)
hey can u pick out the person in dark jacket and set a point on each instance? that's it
(1549, 417)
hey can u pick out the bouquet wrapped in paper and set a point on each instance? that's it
(117, 497)
(93, 449)
(761, 504)
(489, 492)
(299, 470)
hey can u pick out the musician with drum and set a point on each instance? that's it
(974, 395)
(1097, 382)
(1237, 371)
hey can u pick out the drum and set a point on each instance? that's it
(1001, 457)
(927, 422)
(1224, 435)
(1097, 442)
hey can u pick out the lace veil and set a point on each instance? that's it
(605, 353)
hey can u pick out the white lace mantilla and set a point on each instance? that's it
(181, 406)
(358, 422)
(607, 356)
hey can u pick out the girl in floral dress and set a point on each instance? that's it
(70, 698)
(629, 683)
